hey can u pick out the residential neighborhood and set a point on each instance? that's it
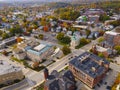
(60, 45)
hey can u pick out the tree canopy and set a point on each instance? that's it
(66, 50)
(16, 30)
(104, 17)
(5, 35)
(67, 14)
(63, 39)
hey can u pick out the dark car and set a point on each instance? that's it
(108, 88)
(98, 85)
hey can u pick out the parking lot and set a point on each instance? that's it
(108, 81)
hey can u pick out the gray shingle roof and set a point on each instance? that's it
(87, 61)
(61, 81)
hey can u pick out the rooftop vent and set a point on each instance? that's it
(101, 62)
(94, 69)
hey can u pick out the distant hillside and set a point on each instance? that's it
(58, 4)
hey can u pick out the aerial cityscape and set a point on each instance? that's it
(59, 44)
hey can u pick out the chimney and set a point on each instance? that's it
(46, 73)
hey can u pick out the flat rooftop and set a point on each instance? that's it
(101, 49)
(6, 67)
(87, 63)
(112, 33)
(80, 26)
(39, 47)
(8, 40)
(38, 50)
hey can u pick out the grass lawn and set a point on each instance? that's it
(117, 81)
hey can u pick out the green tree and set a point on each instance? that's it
(44, 21)
(63, 39)
(52, 17)
(101, 39)
(83, 41)
(117, 48)
(66, 50)
(16, 30)
(115, 23)
(66, 40)
(88, 32)
(104, 17)
(5, 35)
(60, 36)
(69, 14)
(101, 55)
(41, 36)
(1, 32)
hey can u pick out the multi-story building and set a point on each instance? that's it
(89, 68)
(19, 53)
(9, 73)
(107, 52)
(37, 53)
(8, 41)
(59, 81)
(112, 39)
(75, 41)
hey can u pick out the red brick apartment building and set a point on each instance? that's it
(89, 68)
(112, 39)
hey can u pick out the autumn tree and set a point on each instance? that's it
(45, 28)
(35, 64)
(19, 40)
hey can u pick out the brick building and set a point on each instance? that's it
(112, 39)
(89, 68)
(107, 52)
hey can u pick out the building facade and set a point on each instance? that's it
(89, 68)
(39, 52)
(107, 52)
(112, 39)
(8, 41)
(9, 73)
